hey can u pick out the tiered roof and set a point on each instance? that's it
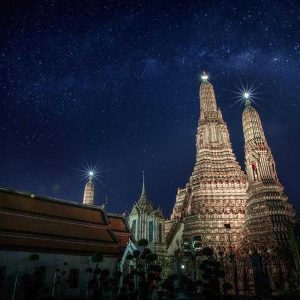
(145, 205)
(36, 223)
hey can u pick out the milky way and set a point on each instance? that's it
(116, 85)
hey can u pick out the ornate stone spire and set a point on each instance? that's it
(268, 213)
(216, 192)
(89, 190)
(144, 202)
(207, 96)
(143, 188)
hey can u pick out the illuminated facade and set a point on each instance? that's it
(219, 192)
(216, 192)
(268, 214)
(223, 208)
(89, 192)
(148, 223)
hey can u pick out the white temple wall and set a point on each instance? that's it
(17, 264)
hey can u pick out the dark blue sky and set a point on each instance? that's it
(115, 83)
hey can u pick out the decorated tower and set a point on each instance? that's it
(89, 190)
(212, 205)
(148, 223)
(268, 213)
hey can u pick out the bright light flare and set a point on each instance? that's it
(204, 77)
(91, 172)
(245, 95)
(182, 266)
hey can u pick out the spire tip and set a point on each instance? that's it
(143, 188)
(247, 98)
(91, 175)
(204, 76)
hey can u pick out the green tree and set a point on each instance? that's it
(143, 243)
(211, 273)
(143, 259)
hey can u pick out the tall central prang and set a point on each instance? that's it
(216, 192)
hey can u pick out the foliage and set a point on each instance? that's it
(129, 256)
(33, 284)
(151, 257)
(211, 273)
(117, 274)
(33, 257)
(146, 252)
(97, 257)
(136, 253)
(145, 274)
(143, 243)
(155, 268)
(207, 251)
(227, 286)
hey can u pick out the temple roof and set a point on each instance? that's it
(120, 228)
(36, 223)
(143, 203)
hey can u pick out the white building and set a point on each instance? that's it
(54, 240)
(148, 223)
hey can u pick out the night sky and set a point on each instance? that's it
(114, 84)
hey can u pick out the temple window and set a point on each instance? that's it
(150, 232)
(160, 232)
(133, 226)
(254, 171)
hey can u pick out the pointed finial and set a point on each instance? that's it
(143, 188)
(204, 76)
(91, 175)
(247, 96)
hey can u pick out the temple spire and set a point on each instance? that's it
(217, 184)
(252, 126)
(144, 198)
(89, 190)
(207, 96)
(247, 100)
(267, 210)
(143, 187)
(204, 76)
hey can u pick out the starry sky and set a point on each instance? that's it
(114, 85)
